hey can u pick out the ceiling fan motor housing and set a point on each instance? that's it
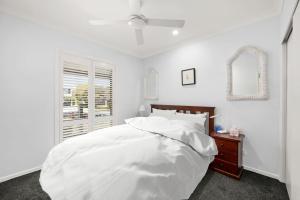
(137, 21)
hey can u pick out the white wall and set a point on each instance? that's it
(28, 57)
(259, 119)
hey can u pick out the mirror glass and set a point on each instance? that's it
(245, 75)
(151, 85)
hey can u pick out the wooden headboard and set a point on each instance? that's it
(190, 109)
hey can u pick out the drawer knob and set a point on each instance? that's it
(221, 154)
(222, 144)
(221, 164)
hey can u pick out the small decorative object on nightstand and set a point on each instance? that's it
(229, 159)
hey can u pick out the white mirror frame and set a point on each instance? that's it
(262, 59)
(151, 73)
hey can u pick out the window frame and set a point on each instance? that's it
(59, 92)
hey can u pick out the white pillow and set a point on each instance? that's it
(200, 119)
(159, 115)
(163, 113)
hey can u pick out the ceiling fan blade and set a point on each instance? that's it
(166, 22)
(139, 36)
(101, 22)
(135, 7)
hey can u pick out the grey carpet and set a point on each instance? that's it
(214, 186)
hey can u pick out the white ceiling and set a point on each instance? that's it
(203, 18)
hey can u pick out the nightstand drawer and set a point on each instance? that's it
(226, 145)
(225, 166)
(228, 156)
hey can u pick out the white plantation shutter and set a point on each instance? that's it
(103, 96)
(87, 97)
(75, 101)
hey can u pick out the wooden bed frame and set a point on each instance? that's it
(190, 109)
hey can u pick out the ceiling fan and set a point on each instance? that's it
(138, 21)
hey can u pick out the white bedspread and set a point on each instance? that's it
(146, 159)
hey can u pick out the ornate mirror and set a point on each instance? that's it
(151, 85)
(247, 75)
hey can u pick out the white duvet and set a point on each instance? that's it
(147, 159)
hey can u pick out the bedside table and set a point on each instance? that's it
(229, 159)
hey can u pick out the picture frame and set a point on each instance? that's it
(188, 76)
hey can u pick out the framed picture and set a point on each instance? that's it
(188, 76)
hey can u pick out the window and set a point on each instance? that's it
(87, 96)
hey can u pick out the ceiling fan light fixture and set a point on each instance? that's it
(175, 32)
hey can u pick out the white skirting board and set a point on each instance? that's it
(28, 171)
(258, 171)
(21, 173)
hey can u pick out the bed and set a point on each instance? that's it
(148, 158)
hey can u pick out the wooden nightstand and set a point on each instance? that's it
(229, 159)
